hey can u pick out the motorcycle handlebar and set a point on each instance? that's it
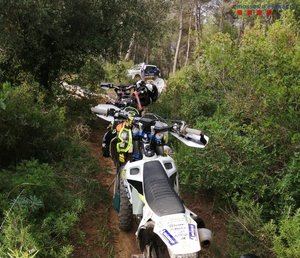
(122, 115)
(108, 85)
(124, 87)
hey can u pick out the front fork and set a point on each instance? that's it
(116, 194)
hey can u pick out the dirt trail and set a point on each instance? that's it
(123, 245)
(124, 242)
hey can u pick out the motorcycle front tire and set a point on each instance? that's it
(125, 213)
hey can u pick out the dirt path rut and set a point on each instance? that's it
(124, 242)
(102, 237)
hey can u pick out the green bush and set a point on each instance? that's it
(46, 182)
(33, 194)
(40, 204)
(247, 227)
(16, 238)
(30, 129)
(287, 243)
(246, 98)
(90, 74)
(117, 72)
(78, 110)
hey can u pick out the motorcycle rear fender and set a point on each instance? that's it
(179, 233)
(183, 241)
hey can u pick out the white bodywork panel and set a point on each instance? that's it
(140, 165)
(178, 231)
(191, 143)
(101, 111)
(101, 107)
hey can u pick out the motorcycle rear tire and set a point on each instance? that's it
(156, 249)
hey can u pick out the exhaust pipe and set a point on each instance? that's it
(205, 237)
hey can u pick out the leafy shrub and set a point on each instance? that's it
(186, 97)
(287, 244)
(41, 202)
(244, 96)
(117, 72)
(30, 129)
(246, 228)
(78, 110)
(16, 239)
(90, 75)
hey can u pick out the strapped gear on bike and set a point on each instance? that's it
(148, 92)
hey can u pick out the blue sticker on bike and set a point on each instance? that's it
(169, 237)
(192, 231)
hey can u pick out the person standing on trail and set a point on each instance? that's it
(159, 82)
(148, 92)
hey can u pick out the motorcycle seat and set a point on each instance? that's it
(159, 193)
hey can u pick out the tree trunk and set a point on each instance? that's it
(148, 53)
(198, 27)
(188, 42)
(120, 50)
(134, 53)
(222, 17)
(179, 37)
(130, 48)
(241, 30)
(145, 54)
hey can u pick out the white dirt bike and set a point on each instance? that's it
(146, 184)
